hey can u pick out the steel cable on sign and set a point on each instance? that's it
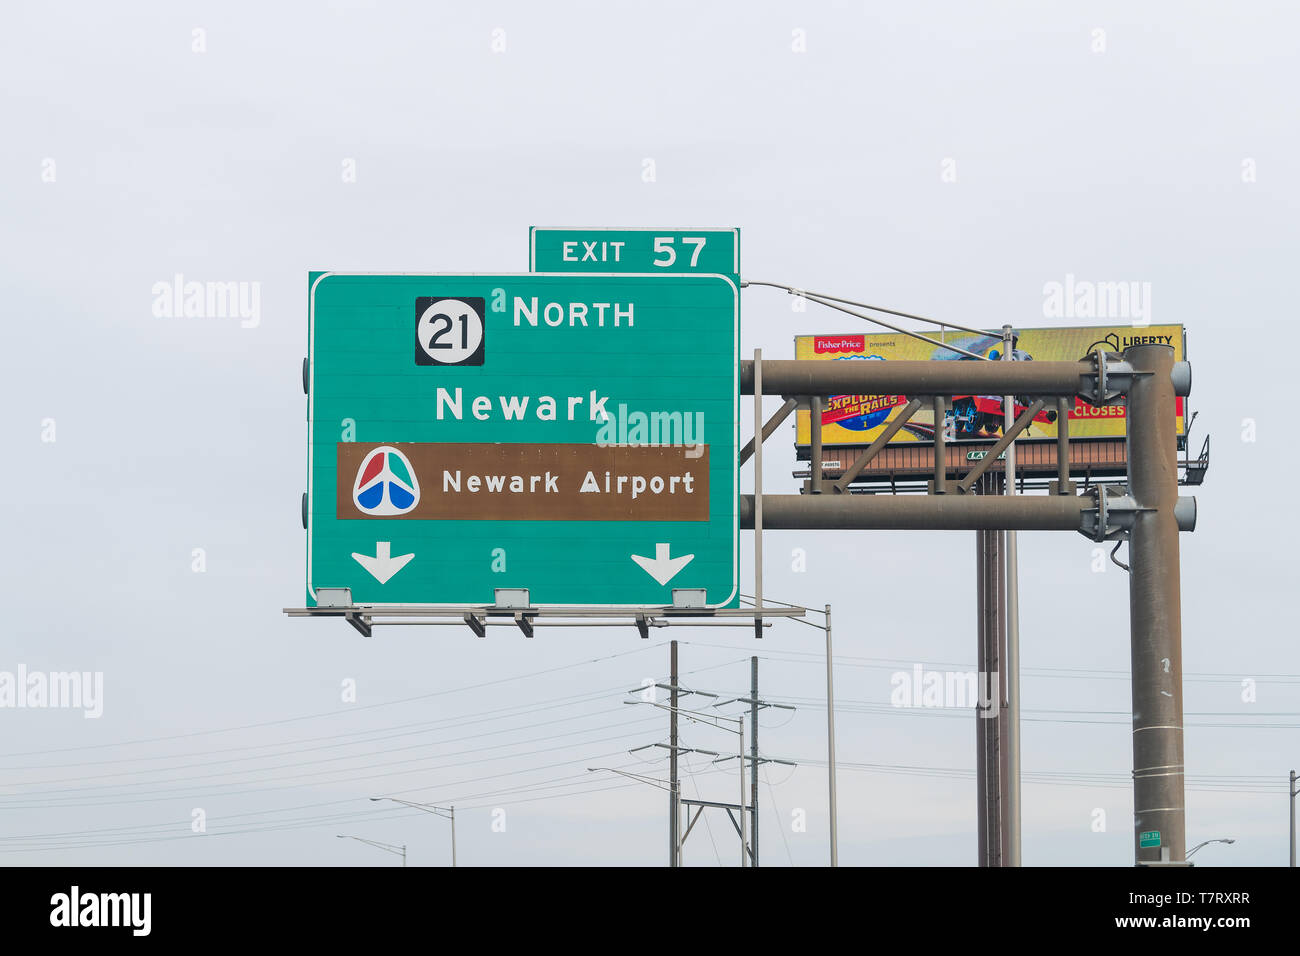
(830, 302)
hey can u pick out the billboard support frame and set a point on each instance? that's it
(1150, 516)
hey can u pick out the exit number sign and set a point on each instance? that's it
(700, 251)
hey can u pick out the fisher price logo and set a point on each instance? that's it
(838, 343)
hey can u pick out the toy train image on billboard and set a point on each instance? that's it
(968, 416)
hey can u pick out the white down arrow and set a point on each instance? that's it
(383, 566)
(661, 567)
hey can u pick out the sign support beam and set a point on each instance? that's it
(1155, 616)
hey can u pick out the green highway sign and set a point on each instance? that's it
(1149, 838)
(575, 435)
(654, 251)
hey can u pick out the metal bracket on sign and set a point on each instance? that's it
(1113, 517)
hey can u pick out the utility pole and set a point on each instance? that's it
(1292, 791)
(755, 704)
(674, 786)
(753, 756)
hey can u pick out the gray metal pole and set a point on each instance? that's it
(740, 807)
(815, 428)
(1291, 791)
(989, 734)
(1012, 662)
(758, 493)
(981, 668)
(940, 405)
(753, 755)
(1155, 612)
(830, 738)
(674, 794)
(453, 835)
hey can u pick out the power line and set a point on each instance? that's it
(847, 660)
(338, 713)
(349, 777)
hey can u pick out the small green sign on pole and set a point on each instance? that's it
(652, 251)
(1149, 838)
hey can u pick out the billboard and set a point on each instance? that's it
(859, 419)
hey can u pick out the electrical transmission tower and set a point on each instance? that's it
(736, 812)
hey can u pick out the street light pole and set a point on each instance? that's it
(386, 847)
(1206, 843)
(830, 724)
(448, 813)
(830, 737)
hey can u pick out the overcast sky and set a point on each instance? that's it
(945, 158)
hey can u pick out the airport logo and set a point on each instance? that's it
(385, 485)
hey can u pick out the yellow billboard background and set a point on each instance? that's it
(859, 419)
